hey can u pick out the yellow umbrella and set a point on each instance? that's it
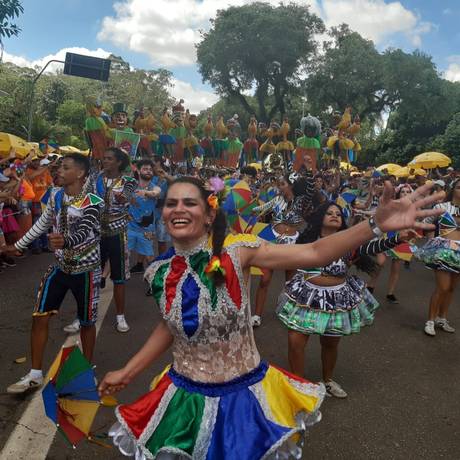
(10, 142)
(430, 160)
(390, 167)
(258, 166)
(407, 171)
(66, 149)
(345, 165)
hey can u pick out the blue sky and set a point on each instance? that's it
(152, 33)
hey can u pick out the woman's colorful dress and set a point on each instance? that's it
(333, 310)
(441, 253)
(218, 400)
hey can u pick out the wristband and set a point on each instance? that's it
(375, 229)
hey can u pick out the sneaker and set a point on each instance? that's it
(8, 261)
(334, 389)
(138, 268)
(24, 384)
(443, 324)
(256, 321)
(429, 328)
(122, 325)
(392, 299)
(73, 328)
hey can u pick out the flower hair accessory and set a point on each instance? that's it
(213, 201)
(214, 266)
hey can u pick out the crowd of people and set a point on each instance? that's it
(116, 217)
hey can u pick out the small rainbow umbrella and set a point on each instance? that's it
(403, 251)
(71, 399)
(237, 198)
(264, 231)
(266, 195)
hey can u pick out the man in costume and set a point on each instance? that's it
(74, 216)
(142, 212)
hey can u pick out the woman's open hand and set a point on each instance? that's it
(407, 212)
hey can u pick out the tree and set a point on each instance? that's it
(55, 93)
(261, 48)
(349, 72)
(9, 9)
(73, 114)
(449, 141)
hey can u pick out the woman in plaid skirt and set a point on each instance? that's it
(328, 301)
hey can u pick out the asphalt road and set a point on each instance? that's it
(404, 394)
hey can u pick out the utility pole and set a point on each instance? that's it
(32, 95)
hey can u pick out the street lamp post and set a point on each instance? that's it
(32, 94)
(77, 65)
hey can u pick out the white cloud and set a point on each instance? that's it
(452, 72)
(167, 30)
(376, 19)
(195, 99)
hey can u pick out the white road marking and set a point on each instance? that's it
(34, 432)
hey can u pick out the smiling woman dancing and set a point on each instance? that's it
(218, 399)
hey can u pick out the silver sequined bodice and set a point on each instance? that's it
(222, 347)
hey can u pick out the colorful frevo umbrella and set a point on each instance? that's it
(266, 195)
(250, 225)
(71, 399)
(403, 251)
(238, 198)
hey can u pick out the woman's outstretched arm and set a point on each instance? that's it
(391, 215)
(158, 342)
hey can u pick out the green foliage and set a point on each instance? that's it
(52, 96)
(72, 114)
(59, 109)
(9, 9)
(262, 48)
(449, 141)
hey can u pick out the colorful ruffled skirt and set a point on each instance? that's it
(259, 415)
(440, 254)
(336, 310)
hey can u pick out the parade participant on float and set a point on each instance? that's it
(74, 216)
(290, 208)
(142, 210)
(196, 407)
(167, 140)
(120, 118)
(442, 254)
(251, 145)
(98, 133)
(235, 146)
(116, 190)
(328, 301)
